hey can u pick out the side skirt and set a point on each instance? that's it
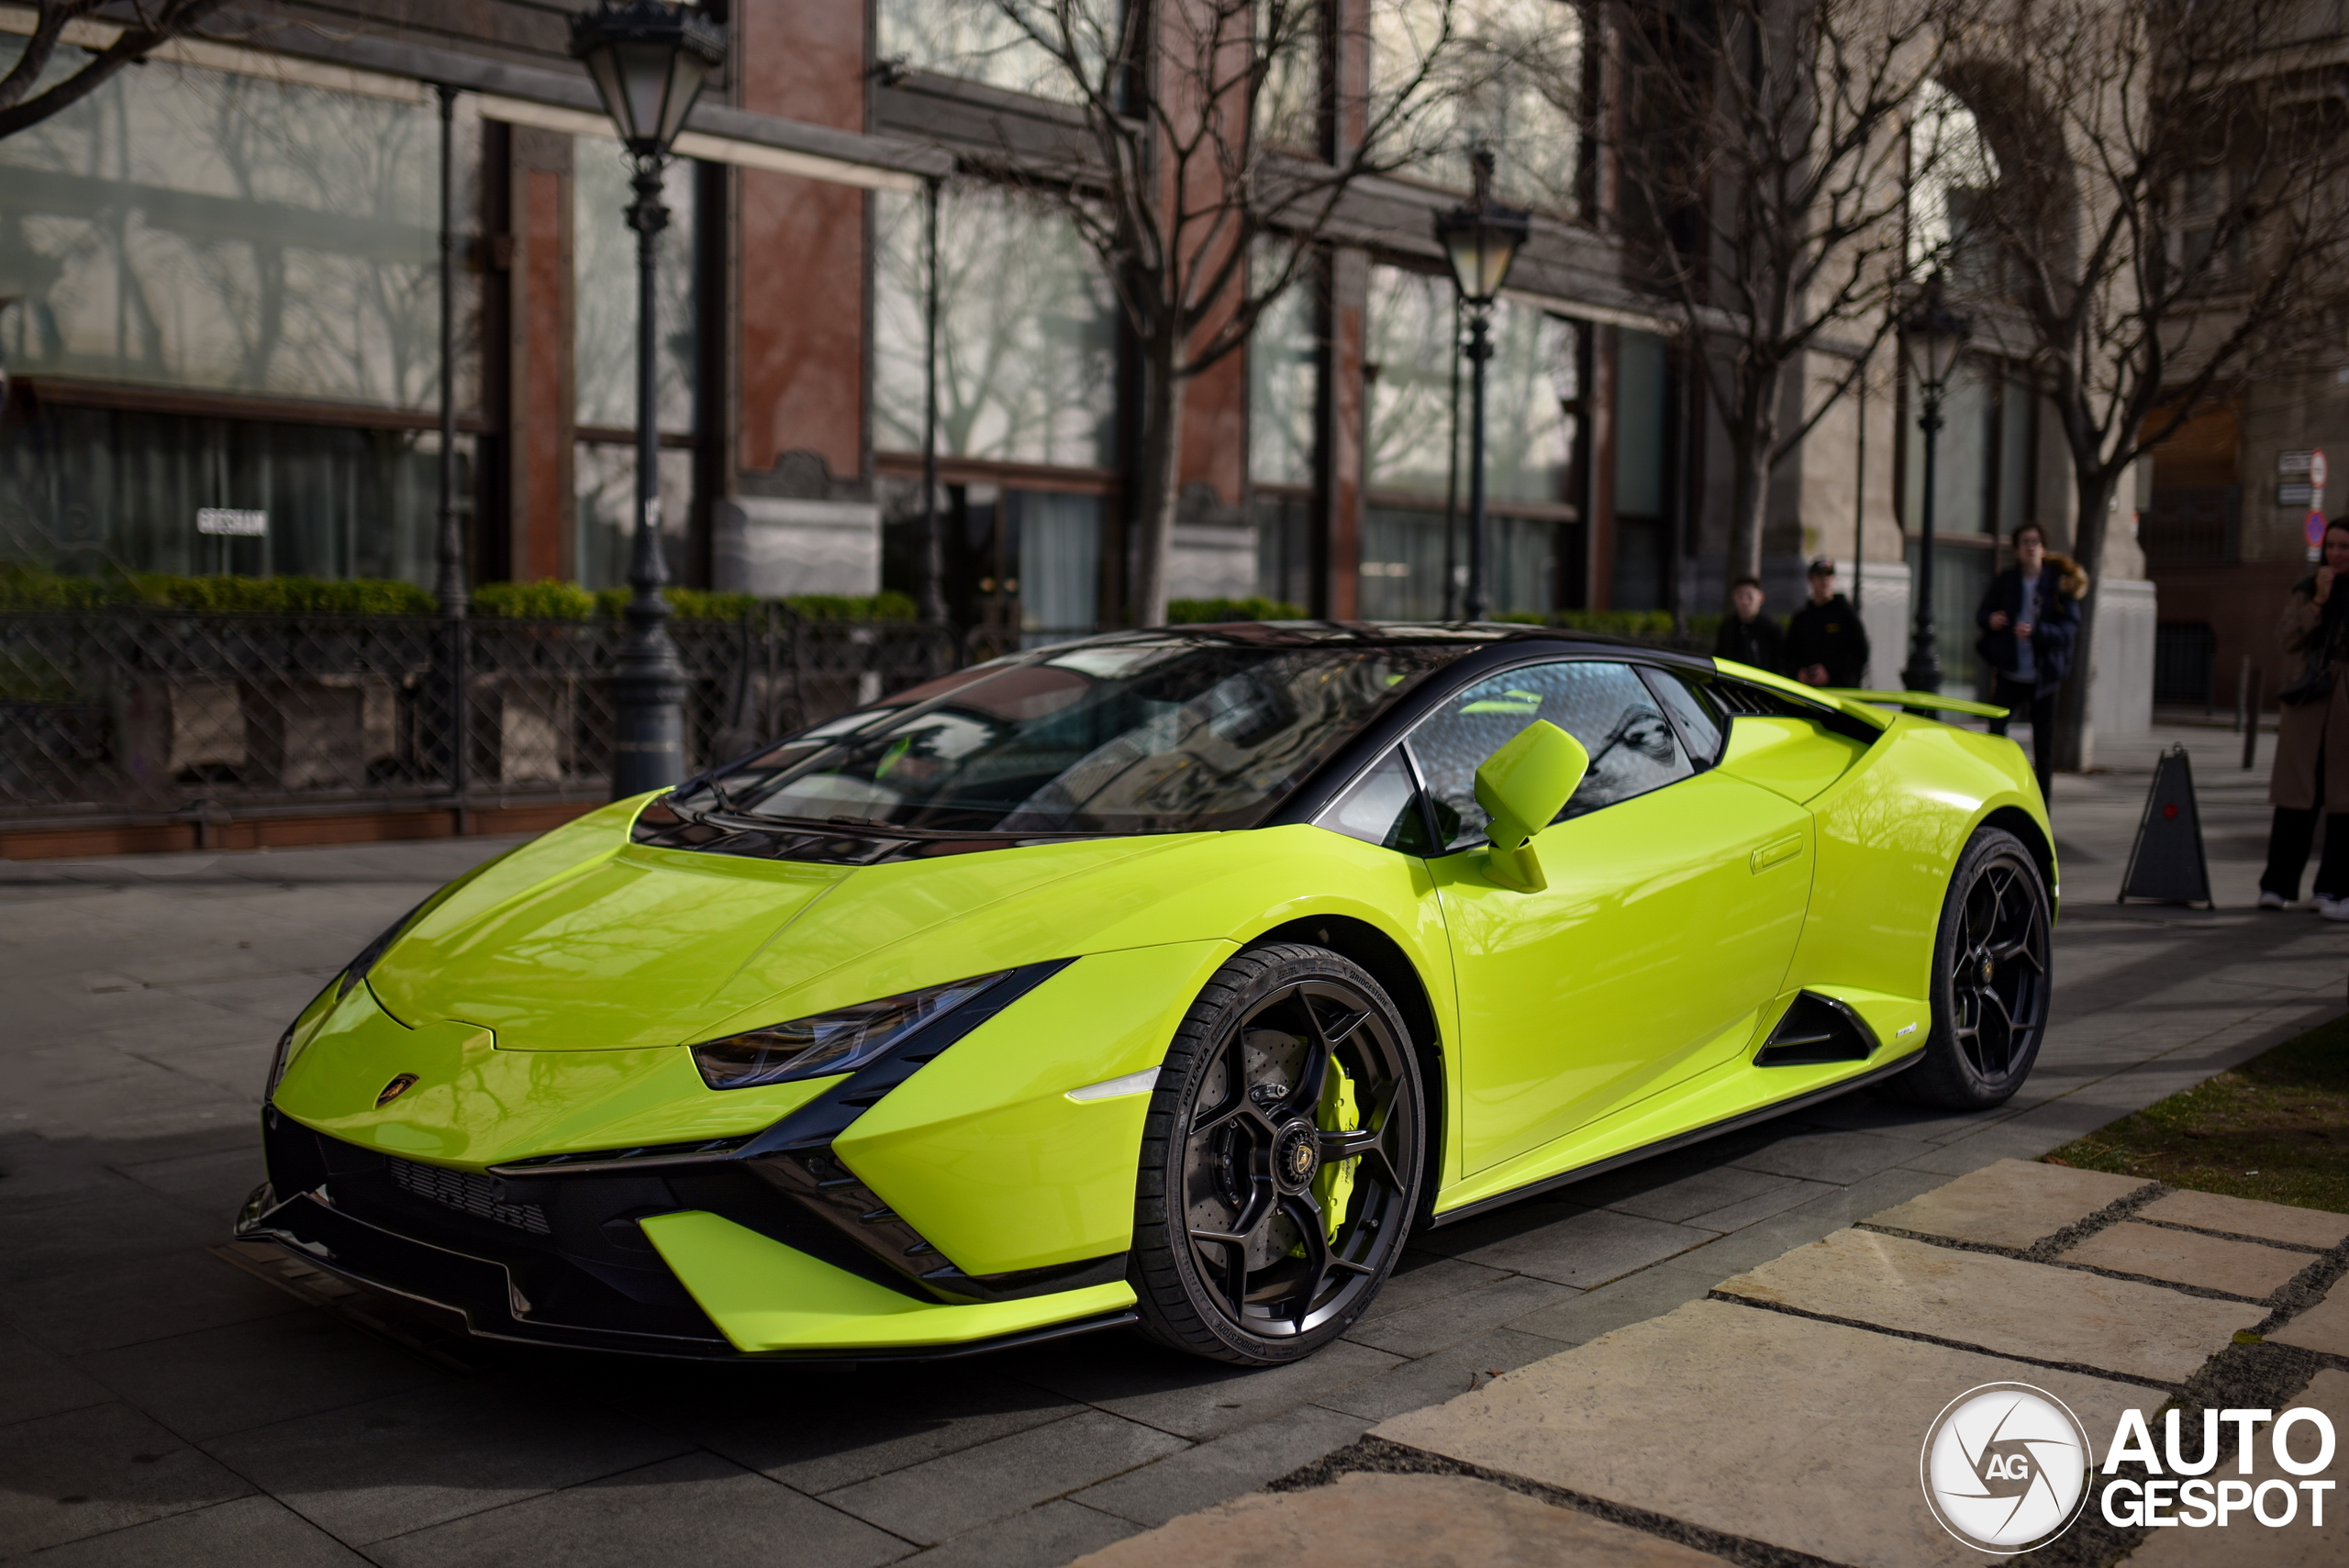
(1678, 1141)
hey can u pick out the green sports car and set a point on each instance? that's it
(1170, 978)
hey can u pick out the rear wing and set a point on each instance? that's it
(1915, 699)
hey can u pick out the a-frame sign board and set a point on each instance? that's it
(2167, 865)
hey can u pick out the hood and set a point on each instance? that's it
(583, 940)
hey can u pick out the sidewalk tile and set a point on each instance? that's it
(2324, 1326)
(2248, 1217)
(1829, 1156)
(1583, 1249)
(1188, 1396)
(1394, 1521)
(1626, 1301)
(1041, 1537)
(219, 1381)
(2012, 1203)
(2244, 1542)
(86, 1471)
(696, 1508)
(393, 1465)
(2000, 1305)
(1780, 1428)
(929, 1503)
(35, 1382)
(1433, 1379)
(1675, 1188)
(136, 1299)
(1423, 1277)
(1428, 1328)
(2239, 1268)
(1201, 1477)
(245, 1533)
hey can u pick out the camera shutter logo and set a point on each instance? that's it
(2006, 1467)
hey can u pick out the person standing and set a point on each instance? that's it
(1747, 635)
(2312, 740)
(2029, 617)
(1826, 644)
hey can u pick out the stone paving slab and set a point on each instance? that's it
(2249, 1216)
(2239, 1268)
(2013, 1203)
(2244, 1542)
(1760, 1424)
(2002, 1304)
(1396, 1521)
(2324, 1326)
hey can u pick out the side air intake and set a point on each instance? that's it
(1815, 1029)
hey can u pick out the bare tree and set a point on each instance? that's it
(152, 24)
(1214, 152)
(2167, 218)
(1764, 171)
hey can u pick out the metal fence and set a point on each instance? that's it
(149, 711)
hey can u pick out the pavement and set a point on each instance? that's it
(161, 1404)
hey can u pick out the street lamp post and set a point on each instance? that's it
(650, 61)
(1931, 336)
(1480, 239)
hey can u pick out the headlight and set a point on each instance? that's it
(375, 949)
(277, 1062)
(840, 1042)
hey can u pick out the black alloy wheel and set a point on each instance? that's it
(1993, 979)
(1280, 1160)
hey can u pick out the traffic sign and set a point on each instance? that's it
(2316, 466)
(2314, 529)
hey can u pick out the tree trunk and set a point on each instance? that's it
(1749, 497)
(1159, 486)
(2074, 742)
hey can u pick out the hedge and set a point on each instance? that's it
(26, 590)
(1200, 612)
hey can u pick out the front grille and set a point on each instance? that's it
(477, 1196)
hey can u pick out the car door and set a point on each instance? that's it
(1675, 896)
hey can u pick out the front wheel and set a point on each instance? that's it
(1280, 1160)
(1992, 980)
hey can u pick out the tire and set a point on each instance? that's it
(1992, 980)
(1280, 1160)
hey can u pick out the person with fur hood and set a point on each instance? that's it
(2030, 615)
(2311, 777)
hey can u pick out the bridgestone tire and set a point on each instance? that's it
(1280, 1158)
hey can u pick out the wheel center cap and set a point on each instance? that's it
(1296, 1157)
(1989, 969)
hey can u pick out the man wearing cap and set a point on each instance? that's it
(1826, 644)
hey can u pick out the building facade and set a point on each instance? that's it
(221, 283)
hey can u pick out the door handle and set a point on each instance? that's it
(1777, 852)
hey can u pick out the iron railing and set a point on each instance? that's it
(155, 711)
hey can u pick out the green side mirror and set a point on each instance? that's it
(1523, 788)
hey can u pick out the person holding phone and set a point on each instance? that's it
(2029, 615)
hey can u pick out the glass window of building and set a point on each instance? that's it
(1027, 332)
(206, 239)
(1284, 390)
(1510, 75)
(603, 250)
(981, 43)
(1643, 533)
(1413, 563)
(1984, 461)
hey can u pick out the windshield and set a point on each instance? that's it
(1157, 736)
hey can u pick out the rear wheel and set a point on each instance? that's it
(1280, 1160)
(1992, 979)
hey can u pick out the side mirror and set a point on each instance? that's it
(1523, 788)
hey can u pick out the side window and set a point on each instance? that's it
(1381, 808)
(1691, 709)
(1606, 706)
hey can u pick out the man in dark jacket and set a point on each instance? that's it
(1747, 635)
(2029, 617)
(1826, 644)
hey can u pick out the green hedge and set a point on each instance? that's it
(548, 599)
(24, 590)
(1202, 612)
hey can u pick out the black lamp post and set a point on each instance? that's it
(650, 60)
(1931, 336)
(1480, 239)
